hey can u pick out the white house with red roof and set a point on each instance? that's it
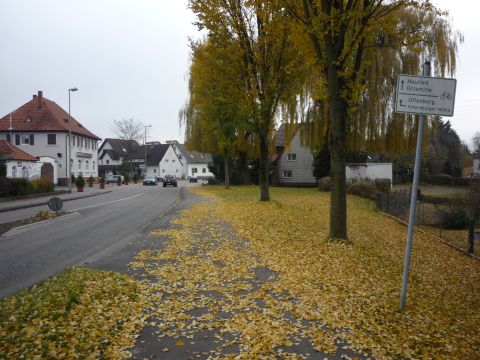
(41, 128)
(20, 164)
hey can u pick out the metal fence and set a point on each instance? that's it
(454, 220)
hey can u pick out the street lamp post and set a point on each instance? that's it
(145, 148)
(69, 156)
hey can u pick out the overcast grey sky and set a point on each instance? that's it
(129, 59)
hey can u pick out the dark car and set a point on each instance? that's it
(150, 180)
(169, 180)
(193, 179)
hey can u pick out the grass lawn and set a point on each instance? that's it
(78, 314)
(353, 289)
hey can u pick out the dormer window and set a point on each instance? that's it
(28, 120)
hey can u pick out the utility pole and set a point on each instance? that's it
(68, 158)
(145, 148)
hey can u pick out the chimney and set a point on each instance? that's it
(40, 98)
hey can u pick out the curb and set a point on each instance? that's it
(26, 206)
(29, 227)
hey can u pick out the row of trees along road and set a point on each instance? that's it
(328, 65)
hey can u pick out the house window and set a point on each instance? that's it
(24, 172)
(154, 171)
(194, 171)
(163, 170)
(79, 164)
(204, 170)
(166, 160)
(173, 161)
(14, 171)
(176, 171)
(107, 161)
(93, 166)
(86, 165)
(52, 139)
(71, 164)
(27, 139)
(287, 173)
(73, 140)
(291, 157)
(81, 142)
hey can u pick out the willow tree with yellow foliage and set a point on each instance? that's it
(215, 116)
(261, 33)
(359, 47)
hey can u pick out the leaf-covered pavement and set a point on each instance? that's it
(270, 284)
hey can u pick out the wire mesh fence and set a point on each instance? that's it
(452, 218)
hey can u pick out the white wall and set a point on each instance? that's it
(301, 168)
(201, 170)
(170, 164)
(476, 166)
(58, 151)
(369, 171)
(30, 169)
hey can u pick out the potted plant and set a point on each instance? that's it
(119, 180)
(101, 181)
(80, 182)
(72, 179)
(90, 181)
(126, 179)
(135, 178)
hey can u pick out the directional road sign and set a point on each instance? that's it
(425, 95)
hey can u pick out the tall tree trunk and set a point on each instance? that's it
(243, 158)
(227, 172)
(337, 121)
(263, 175)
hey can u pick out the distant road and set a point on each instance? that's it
(99, 226)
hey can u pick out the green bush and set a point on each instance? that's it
(363, 189)
(43, 185)
(90, 180)
(80, 182)
(325, 183)
(383, 185)
(135, 178)
(455, 219)
(22, 187)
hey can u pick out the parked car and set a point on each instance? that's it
(112, 179)
(169, 180)
(193, 179)
(150, 180)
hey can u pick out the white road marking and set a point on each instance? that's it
(108, 202)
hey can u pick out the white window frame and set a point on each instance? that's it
(287, 174)
(292, 157)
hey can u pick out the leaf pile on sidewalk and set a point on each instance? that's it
(79, 314)
(328, 293)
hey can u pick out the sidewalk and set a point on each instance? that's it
(16, 204)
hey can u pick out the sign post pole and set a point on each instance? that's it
(413, 201)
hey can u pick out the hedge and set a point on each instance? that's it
(21, 187)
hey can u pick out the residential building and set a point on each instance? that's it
(113, 152)
(41, 128)
(194, 163)
(162, 160)
(293, 162)
(20, 164)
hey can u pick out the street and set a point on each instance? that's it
(97, 227)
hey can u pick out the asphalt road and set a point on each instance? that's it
(98, 227)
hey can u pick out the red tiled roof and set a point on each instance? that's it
(41, 114)
(15, 153)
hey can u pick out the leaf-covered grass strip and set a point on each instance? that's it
(78, 314)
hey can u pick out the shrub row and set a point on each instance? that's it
(444, 179)
(367, 189)
(20, 187)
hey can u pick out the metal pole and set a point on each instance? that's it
(145, 149)
(69, 155)
(413, 201)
